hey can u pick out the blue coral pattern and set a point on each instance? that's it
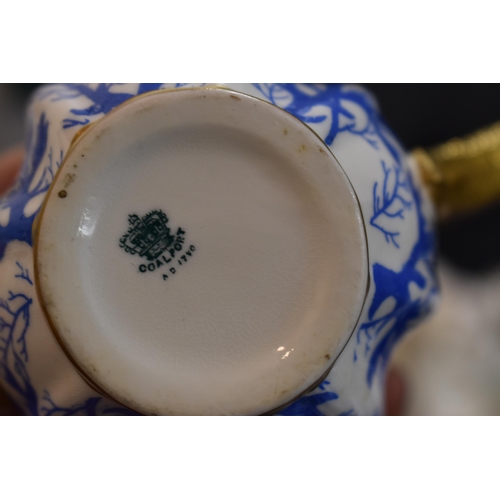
(392, 200)
(332, 110)
(15, 321)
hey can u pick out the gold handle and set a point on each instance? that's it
(464, 173)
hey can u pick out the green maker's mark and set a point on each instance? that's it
(150, 237)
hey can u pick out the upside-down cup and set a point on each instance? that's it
(223, 249)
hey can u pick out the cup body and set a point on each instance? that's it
(398, 220)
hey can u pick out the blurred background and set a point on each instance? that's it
(451, 364)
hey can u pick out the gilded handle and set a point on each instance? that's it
(463, 174)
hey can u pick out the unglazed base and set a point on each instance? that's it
(201, 252)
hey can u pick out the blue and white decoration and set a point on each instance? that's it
(397, 216)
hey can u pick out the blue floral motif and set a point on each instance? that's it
(392, 204)
(14, 326)
(350, 109)
(308, 405)
(16, 203)
(338, 107)
(91, 407)
(331, 104)
(389, 284)
(24, 274)
(104, 98)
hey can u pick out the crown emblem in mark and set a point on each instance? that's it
(148, 236)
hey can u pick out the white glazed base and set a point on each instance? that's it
(267, 281)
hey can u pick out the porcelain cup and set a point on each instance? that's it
(210, 249)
